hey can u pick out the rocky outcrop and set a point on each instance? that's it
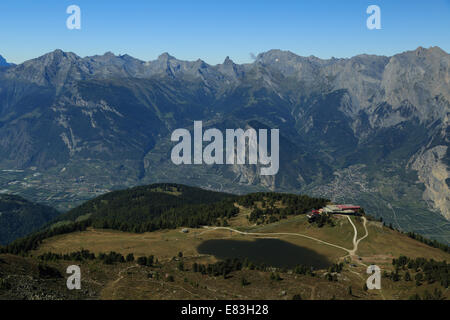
(434, 174)
(3, 62)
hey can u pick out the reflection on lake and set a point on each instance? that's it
(272, 252)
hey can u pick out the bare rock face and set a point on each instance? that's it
(434, 174)
(421, 77)
(3, 62)
(361, 76)
(414, 83)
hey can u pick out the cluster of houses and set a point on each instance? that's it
(347, 209)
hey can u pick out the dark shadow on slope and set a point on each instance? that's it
(271, 252)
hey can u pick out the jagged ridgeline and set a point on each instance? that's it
(159, 206)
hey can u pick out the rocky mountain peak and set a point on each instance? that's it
(165, 57)
(59, 56)
(53, 68)
(3, 62)
(228, 61)
(109, 54)
(421, 51)
(230, 69)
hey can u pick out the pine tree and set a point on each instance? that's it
(407, 276)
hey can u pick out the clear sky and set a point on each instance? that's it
(213, 29)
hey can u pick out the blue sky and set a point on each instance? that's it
(212, 30)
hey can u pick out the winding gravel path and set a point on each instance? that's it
(355, 235)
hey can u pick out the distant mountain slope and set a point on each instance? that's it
(19, 217)
(370, 129)
(163, 203)
(166, 205)
(162, 206)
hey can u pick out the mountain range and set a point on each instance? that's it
(372, 130)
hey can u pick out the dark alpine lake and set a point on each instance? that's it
(272, 252)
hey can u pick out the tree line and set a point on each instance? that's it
(85, 255)
(421, 270)
(138, 210)
(32, 242)
(429, 242)
(276, 206)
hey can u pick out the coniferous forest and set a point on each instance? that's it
(161, 206)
